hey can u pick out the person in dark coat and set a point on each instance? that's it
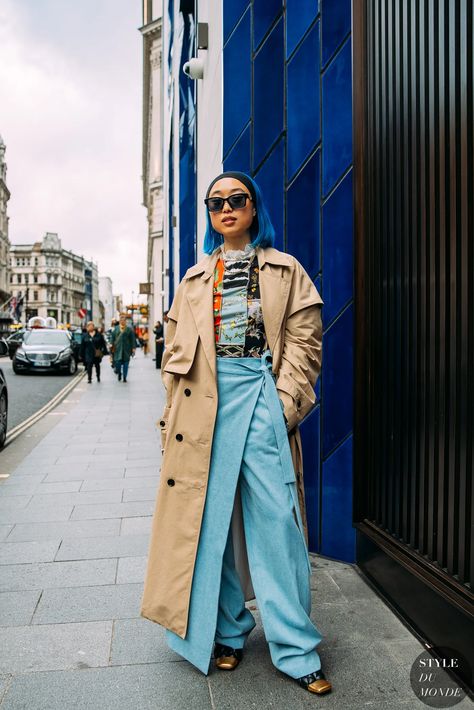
(159, 343)
(123, 347)
(93, 348)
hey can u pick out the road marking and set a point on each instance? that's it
(23, 426)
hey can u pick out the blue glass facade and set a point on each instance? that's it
(288, 121)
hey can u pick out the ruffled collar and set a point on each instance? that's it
(237, 254)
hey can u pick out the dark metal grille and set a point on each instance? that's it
(419, 280)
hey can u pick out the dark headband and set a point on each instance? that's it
(242, 177)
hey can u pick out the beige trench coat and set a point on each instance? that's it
(291, 309)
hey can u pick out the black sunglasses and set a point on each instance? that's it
(236, 202)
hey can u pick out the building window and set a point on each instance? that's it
(36, 261)
(18, 278)
(35, 295)
(35, 279)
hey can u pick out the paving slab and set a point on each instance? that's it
(5, 531)
(76, 498)
(140, 641)
(8, 503)
(61, 473)
(46, 488)
(16, 608)
(57, 574)
(132, 494)
(71, 528)
(131, 569)
(54, 647)
(115, 601)
(100, 547)
(157, 686)
(21, 486)
(120, 483)
(136, 526)
(31, 551)
(112, 510)
(38, 514)
(152, 469)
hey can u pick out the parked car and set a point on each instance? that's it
(3, 398)
(45, 350)
(14, 341)
(76, 339)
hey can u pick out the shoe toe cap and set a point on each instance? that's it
(319, 686)
(227, 663)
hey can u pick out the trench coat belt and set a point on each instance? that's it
(279, 426)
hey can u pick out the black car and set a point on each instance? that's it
(76, 340)
(45, 349)
(3, 398)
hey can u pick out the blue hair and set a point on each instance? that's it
(261, 229)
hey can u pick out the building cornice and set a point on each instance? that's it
(150, 32)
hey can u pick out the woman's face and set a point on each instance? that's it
(90, 327)
(232, 222)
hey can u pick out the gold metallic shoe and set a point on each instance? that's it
(227, 658)
(315, 682)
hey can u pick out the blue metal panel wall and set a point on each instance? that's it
(187, 142)
(288, 121)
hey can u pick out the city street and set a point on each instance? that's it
(75, 523)
(29, 393)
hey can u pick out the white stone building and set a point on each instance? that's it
(107, 298)
(52, 281)
(4, 240)
(157, 252)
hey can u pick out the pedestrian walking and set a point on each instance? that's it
(145, 341)
(123, 347)
(242, 355)
(93, 349)
(159, 343)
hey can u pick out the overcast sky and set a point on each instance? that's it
(70, 115)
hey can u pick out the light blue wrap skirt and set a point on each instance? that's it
(251, 457)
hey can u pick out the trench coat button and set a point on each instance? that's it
(179, 437)
(170, 481)
(187, 392)
(162, 422)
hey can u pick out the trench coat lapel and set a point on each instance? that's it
(274, 292)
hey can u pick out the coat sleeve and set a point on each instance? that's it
(302, 349)
(170, 332)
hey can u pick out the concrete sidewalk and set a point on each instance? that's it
(75, 521)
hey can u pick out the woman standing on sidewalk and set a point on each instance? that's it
(243, 351)
(93, 349)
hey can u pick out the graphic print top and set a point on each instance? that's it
(238, 318)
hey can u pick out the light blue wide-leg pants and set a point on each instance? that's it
(250, 446)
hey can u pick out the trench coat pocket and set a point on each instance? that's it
(182, 355)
